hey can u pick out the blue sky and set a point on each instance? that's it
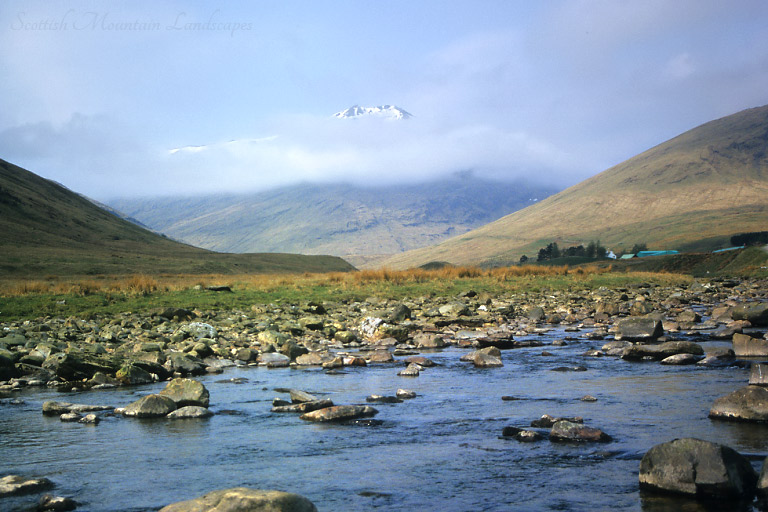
(95, 95)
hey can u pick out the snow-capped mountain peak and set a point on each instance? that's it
(383, 111)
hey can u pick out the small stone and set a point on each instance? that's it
(70, 417)
(56, 503)
(588, 398)
(190, 412)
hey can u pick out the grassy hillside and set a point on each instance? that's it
(48, 229)
(344, 220)
(706, 184)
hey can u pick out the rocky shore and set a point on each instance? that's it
(644, 323)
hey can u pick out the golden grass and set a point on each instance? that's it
(143, 285)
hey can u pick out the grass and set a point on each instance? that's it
(111, 295)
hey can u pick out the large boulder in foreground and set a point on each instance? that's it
(340, 413)
(643, 329)
(749, 403)
(747, 346)
(242, 499)
(755, 314)
(186, 392)
(697, 468)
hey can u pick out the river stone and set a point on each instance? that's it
(298, 396)
(567, 431)
(53, 408)
(272, 337)
(150, 406)
(199, 330)
(381, 356)
(340, 413)
(383, 399)
(185, 364)
(454, 309)
(428, 340)
(131, 374)
(412, 370)
(190, 412)
(242, 499)
(13, 485)
(303, 406)
(749, 403)
(313, 359)
(78, 366)
(178, 314)
(547, 421)
(90, 419)
(56, 503)
(522, 435)
(486, 360)
(400, 313)
(681, 359)
(186, 392)
(762, 483)
(747, 346)
(639, 329)
(405, 394)
(697, 468)
(756, 315)
(274, 360)
(662, 351)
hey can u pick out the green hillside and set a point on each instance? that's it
(706, 184)
(49, 230)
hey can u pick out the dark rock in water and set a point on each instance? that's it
(56, 503)
(340, 413)
(303, 407)
(569, 369)
(90, 419)
(568, 431)
(662, 351)
(151, 406)
(381, 356)
(758, 374)
(383, 399)
(762, 483)
(697, 468)
(718, 357)
(190, 412)
(13, 485)
(131, 374)
(275, 360)
(242, 499)
(639, 329)
(756, 315)
(522, 435)
(412, 370)
(588, 398)
(70, 417)
(747, 346)
(422, 361)
(548, 421)
(500, 341)
(53, 408)
(405, 394)
(749, 403)
(186, 392)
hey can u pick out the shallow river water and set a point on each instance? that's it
(441, 451)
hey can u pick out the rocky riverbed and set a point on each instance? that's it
(412, 341)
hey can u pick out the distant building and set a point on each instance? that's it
(645, 254)
(729, 249)
(627, 256)
(610, 254)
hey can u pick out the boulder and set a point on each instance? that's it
(697, 468)
(340, 413)
(130, 374)
(755, 314)
(718, 357)
(383, 399)
(56, 503)
(13, 485)
(522, 435)
(274, 360)
(78, 366)
(747, 346)
(242, 499)
(405, 394)
(199, 330)
(568, 431)
(190, 412)
(185, 364)
(150, 406)
(662, 351)
(681, 359)
(454, 309)
(313, 359)
(186, 392)
(381, 356)
(749, 403)
(298, 396)
(639, 329)
(547, 421)
(426, 340)
(412, 370)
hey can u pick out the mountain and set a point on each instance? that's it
(50, 230)
(383, 111)
(691, 192)
(354, 222)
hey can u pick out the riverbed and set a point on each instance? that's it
(442, 450)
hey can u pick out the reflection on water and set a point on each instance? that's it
(440, 451)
